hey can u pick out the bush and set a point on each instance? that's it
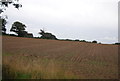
(82, 40)
(117, 43)
(12, 35)
(46, 35)
(77, 40)
(94, 41)
(68, 40)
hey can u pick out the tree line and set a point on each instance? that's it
(19, 28)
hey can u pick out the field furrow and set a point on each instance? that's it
(59, 59)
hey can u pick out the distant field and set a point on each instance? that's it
(27, 58)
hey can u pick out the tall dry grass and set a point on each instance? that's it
(25, 67)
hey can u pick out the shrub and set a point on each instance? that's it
(117, 43)
(46, 35)
(100, 43)
(77, 40)
(68, 40)
(94, 41)
(82, 40)
(12, 34)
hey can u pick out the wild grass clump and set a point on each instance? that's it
(29, 68)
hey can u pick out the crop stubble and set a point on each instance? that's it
(85, 60)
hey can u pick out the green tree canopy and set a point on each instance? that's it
(94, 41)
(18, 28)
(46, 35)
(3, 5)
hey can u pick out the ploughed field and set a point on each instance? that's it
(29, 58)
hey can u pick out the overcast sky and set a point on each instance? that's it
(69, 19)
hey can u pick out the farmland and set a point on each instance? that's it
(25, 58)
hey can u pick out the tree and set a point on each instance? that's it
(19, 28)
(117, 43)
(47, 35)
(94, 41)
(77, 40)
(5, 3)
(2, 25)
(82, 40)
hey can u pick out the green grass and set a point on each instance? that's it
(6, 54)
(23, 76)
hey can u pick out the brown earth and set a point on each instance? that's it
(84, 60)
